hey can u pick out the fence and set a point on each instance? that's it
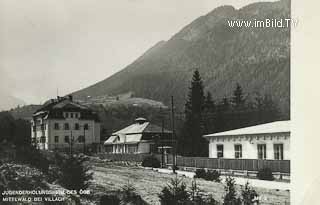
(282, 166)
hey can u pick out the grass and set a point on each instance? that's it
(148, 183)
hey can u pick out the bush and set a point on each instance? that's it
(230, 198)
(265, 174)
(174, 193)
(34, 157)
(74, 174)
(208, 175)
(249, 195)
(129, 195)
(151, 161)
(197, 196)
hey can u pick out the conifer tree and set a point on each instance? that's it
(238, 100)
(191, 143)
(74, 174)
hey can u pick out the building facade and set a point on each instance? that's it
(140, 137)
(62, 124)
(270, 141)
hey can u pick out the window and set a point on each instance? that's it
(56, 139)
(81, 139)
(238, 151)
(262, 151)
(66, 126)
(76, 115)
(132, 148)
(66, 139)
(76, 126)
(86, 126)
(56, 126)
(220, 151)
(43, 139)
(71, 115)
(66, 115)
(278, 151)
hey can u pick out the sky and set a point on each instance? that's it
(50, 47)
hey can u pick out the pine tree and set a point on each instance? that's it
(266, 109)
(230, 198)
(238, 100)
(209, 111)
(74, 174)
(209, 103)
(191, 143)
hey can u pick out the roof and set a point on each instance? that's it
(120, 139)
(145, 127)
(133, 133)
(273, 127)
(54, 109)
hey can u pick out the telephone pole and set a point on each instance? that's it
(173, 138)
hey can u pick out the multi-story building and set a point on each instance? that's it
(64, 124)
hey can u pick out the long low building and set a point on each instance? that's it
(140, 137)
(265, 141)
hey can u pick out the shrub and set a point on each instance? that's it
(208, 175)
(151, 161)
(34, 157)
(197, 196)
(230, 198)
(129, 195)
(174, 193)
(249, 195)
(74, 174)
(265, 174)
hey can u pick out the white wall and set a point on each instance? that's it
(92, 135)
(249, 145)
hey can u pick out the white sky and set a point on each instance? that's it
(50, 44)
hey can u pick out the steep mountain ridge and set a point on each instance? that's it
(257, 58)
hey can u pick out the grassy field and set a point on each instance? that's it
(109, 177)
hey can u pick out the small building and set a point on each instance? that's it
(62, 124)
(140, 137)
(266, 141)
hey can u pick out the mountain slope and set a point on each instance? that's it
(257, 58)
(8, 102)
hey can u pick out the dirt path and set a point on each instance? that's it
(148, 183)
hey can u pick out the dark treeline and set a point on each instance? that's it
(15, 131)
(204, 115)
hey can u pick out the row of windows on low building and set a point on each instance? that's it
(80, 139)
(262, 151)
(66, 126)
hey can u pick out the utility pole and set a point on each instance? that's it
(71, 144)
(173, 137)
(84, 139)
(162, 139)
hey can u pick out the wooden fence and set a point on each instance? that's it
(282, 166)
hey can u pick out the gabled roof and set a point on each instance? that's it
(53, 109)
(114, 139)
(61, 103)
(132, 129)
(133, 133)
(273, 127)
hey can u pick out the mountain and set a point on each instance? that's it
(8, 102)
(256, 58)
